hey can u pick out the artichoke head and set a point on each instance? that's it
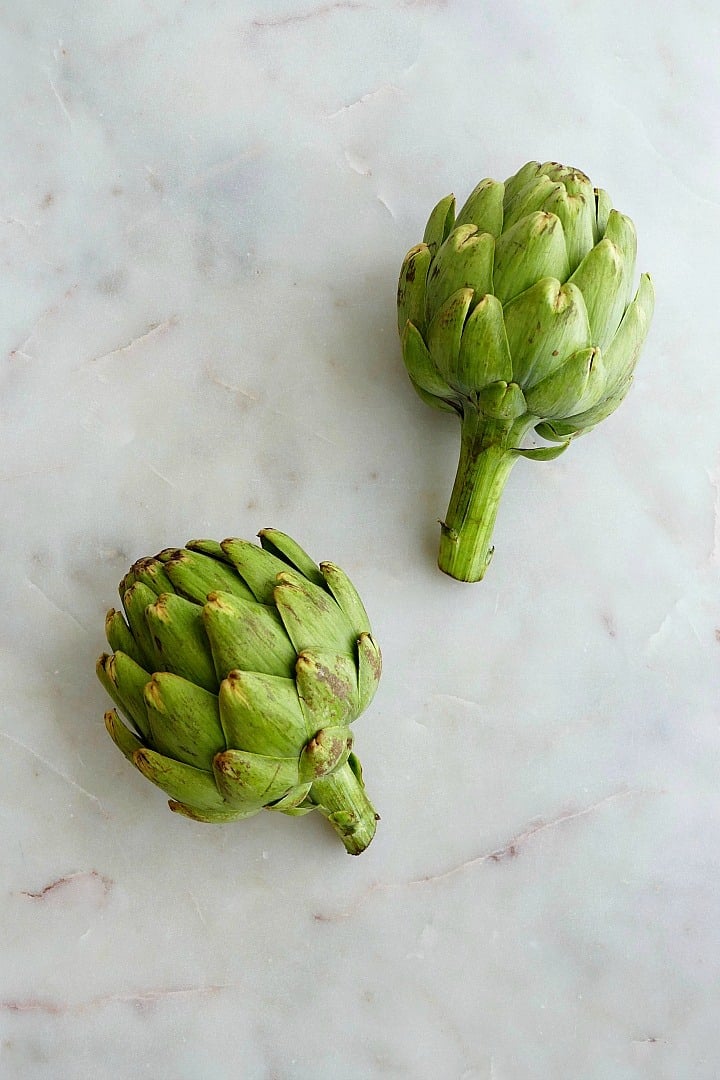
(240, 670)
(522, 310)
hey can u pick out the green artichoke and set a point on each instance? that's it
(518, 313)
(241, 668)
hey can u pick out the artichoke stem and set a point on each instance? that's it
(341, 798)
(486, 458)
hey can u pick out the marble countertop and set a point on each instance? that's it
(204, 209)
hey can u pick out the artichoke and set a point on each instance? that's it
(519, 313)
(241, 668)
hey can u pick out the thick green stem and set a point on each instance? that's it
(486, 458)
(341, 798)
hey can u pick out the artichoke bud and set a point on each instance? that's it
(411, 286)
(420, 365)
(465, 261)
(484, 208)
(577, 384)
(327, 750)
(528, 320)
(440, 223)
(240, 668)
(445, 331)
(502, 401)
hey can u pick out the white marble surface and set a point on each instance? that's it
(204, 209)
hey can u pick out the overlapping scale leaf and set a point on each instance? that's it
(484, 356)
(125, 740)
(136, 600)
(125, 682)
(517, 182)
(290, 552)
(411, 286)
(258, 568)
(248, 781)
(545, 325)
(622, 354)
(262, 714)
(369, 670)
(465, 261)
(440, 223)
(420, 365)
(346, 596)
(327, 685)
(532, 249)
(605, 276)
(446, 329)
(184, 720)
(311, 617)
(578, 384)
(247, 636)
(534, 196)
(184, 783)
(195, 576)
(177, 631)
(576, 210)
(484, 208)
(119, 637)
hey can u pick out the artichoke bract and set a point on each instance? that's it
(517, 313)
(240, 669)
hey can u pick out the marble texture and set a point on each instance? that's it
(204, 208)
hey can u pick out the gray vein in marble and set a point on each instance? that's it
(510, 849)
(19, 350)
(313, 13)
(139, 998)
(54, 769)
(153, 330)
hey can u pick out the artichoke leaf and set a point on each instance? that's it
(532, 249)
(181, 782)
(257, 567)
(210, 817)
(440, 223)
(346, 596)
(484, 355)
(327, 685)
(445, 331)
(176, 627)
(420, 365)
(532, 197)
(369, 670)
(311, 617)
(603, 206)
(119, 637)
(286, 549)
(262, 714)
(253, 780)
(135, 602)
(151, 572)
(184, 720)
(545, 325)
(195, 576)
(578, 384)
(484, 208)
(125, 682)
(465, 261)
(247, 636)
(123, 738)
(517, 182)
(622, 354)
(411, 286)
(327, 750)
